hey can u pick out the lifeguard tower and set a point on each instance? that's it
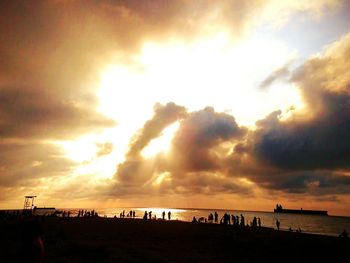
(29, 203)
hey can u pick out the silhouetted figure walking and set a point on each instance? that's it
(163, 215)
(225, 219)
(242, 221)
(216, 217)
(150, 214)
(259, 222)
(169, 215)
(278, 224)
(145, 215)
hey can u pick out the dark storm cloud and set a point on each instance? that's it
(315, 182)
(321, 140)
(198, 135)
(309, 152)
(191, 162)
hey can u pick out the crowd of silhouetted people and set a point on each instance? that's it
(148, 215)
(130, 214)
(82, 213)
(228, 219)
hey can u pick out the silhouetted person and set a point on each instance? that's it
(32, 242)
(133, 214)
(163, 215)
(242, 221)
(344, 234)
(169, 215)
(211, 218)
(216, 217)
(194, 220)
(255, 222)
(150, 214)
(259, 222)
(278, 224)
(145, 215)
(225, 219)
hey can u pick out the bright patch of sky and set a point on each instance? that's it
(309, 34)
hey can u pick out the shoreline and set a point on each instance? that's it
(332, 230)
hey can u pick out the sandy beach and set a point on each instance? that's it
(136, 240)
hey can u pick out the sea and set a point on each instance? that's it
(315, 224)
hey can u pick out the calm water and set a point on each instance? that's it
(329, 225)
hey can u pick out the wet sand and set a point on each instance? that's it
(135, 240)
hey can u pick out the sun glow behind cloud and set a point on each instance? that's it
(162, 143)
(212, 71)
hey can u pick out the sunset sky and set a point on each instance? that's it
(236, 104)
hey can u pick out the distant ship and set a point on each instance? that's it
(280, 209)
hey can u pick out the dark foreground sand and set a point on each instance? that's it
(133, 240)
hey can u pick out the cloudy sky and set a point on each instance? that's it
(186, 103)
